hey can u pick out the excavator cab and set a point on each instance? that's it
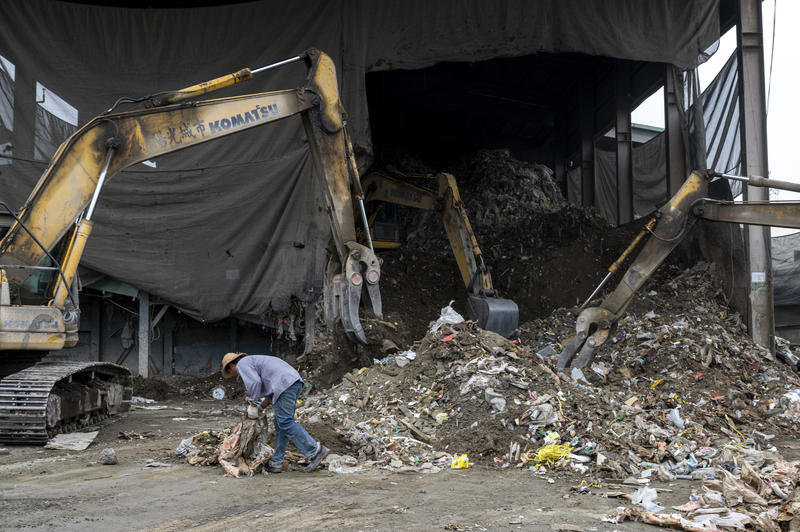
(382, 192)
(384, 227)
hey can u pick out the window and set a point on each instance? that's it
(56, 121)
(7, 73)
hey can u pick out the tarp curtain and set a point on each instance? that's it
(785, 269)
(249, 203)
(649, 180)
(721, 112)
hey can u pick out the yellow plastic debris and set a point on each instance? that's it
(659, 381)
(460, 462)
(552, 436)
(550, 455)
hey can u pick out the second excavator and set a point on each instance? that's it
(382, 191)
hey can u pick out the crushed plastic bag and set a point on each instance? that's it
(460, 462)
(476, 382)
(185, 447)
(792, 396)
(409, 354)
(645, 497)
(674, 417)
(342, 464)
(495, 399)
(448, 316)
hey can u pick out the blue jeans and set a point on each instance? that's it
(286, 428)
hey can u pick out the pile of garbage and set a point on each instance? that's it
(500, 193)
(679, 380)
(241, 452)
(680, 393)
(745, 488)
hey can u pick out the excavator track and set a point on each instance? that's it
(58, 397)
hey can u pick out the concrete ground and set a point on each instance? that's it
(67, 490)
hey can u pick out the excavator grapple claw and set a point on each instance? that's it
(345, 286)
(594, 326)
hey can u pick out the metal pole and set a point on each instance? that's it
(366, 224)
(676, 151)
(758, 181)
(752, 102)
(100, 181)
(144, 333)
(587, 141)
(624, 142)
(278, 64)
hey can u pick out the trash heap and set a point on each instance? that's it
(745, 489)
(241, 452)
(680, 393)
(500, 193)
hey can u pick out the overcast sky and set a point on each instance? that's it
(784, 105)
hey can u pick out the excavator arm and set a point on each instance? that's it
(666, 230)
(56, 397)
(65, 197)
(483, 304)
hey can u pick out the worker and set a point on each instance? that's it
(280, 385)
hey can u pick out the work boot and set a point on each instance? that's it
(320, 455)
(272, 468)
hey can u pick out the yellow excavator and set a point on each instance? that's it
(382, 191)
(49, 234)
(595, 325)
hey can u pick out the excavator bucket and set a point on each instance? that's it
(493, 314)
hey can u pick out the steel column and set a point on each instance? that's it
(587, 142)
(169, 359)
(95, 329)
(560, 148)
(144, 333)
(752, 102)
(234, 334)
(676, 147)
(624, 146)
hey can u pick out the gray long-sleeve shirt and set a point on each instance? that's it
(266, 376)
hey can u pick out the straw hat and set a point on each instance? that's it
(227, 359)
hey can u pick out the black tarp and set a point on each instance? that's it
(236, 226)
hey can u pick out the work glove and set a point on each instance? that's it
(252, 412)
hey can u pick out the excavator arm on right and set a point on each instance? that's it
(669, 226)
